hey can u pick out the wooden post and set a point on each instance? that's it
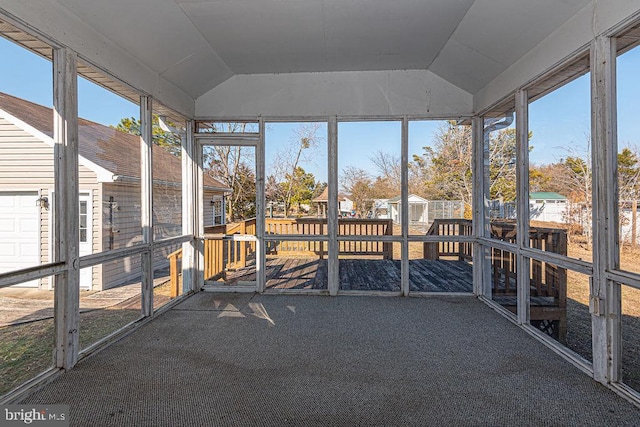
(523, 274)
(481, 254)
(209, 266)
(605, 298)
(561, 289)
(387, 247)
(243, 245)
(66, 207)
(146, 206)
(261, 256)
(332, 207)
(198, 201)
(430, 251)
(190, 211)
(404, 196)
(175, 278)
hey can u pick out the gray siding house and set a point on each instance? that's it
(109, 173)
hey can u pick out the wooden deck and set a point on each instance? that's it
(425, 275)
(358, 274)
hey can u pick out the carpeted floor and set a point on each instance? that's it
(258, 360)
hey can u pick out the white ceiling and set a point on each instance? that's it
(198, 44)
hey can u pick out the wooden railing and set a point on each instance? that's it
(222, 254)
(355, 227)
(449, 227)
(545, 279)
(175, 258)
(318, 226)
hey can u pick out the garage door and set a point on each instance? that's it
(19, 232)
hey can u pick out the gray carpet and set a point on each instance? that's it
(258, 360)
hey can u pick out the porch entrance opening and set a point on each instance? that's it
(230, 242)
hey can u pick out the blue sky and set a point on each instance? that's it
(559, 121)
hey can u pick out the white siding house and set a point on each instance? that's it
(548, 206)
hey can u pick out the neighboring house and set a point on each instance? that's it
(345, 204)
(548, 206)
(109, 182)
(380, 209)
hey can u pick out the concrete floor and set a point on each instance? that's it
(245, 360)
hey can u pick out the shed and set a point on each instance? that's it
(418, 211)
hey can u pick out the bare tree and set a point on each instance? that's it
(502, 165)
(301, 148)
(233, 166)
(577, 177)
(357, 183)
(445, 168)
(389, 168)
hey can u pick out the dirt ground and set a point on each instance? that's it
(579, 319)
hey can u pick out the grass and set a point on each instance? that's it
(25, 351)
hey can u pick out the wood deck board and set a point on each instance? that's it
(440, 276)
(360, 274)
(370, 275)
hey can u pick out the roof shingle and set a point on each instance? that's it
(113, 150)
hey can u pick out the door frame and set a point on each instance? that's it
(84, 195)
(255, 140)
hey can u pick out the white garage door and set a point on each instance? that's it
(19, 232)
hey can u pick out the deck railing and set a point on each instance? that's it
(545, 279)
(222, 253)
(449, 227)
(318, 226)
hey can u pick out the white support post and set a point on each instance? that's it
(332, 207)
(404, 196)
(481, 254)
(190, 215)
(146, 198)
(605, 299)
(522, 200)
(66, 207)
(199, 206)
(261, 260)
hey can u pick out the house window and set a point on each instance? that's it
(218, 210)
(83, 221)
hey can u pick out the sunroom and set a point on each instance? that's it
(267, 136)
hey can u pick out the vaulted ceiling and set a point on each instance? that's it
(198, 44)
